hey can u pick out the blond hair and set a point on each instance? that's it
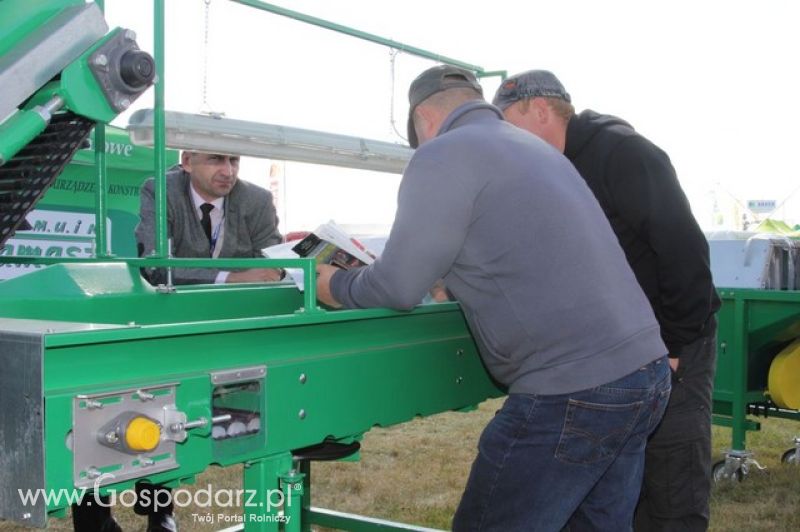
(562, 108)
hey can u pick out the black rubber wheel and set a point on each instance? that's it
(790, 457)
(720, 476)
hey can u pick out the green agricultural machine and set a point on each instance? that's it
(107, 381)
(758, 360)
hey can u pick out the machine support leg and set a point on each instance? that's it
(292, 487)
(304, 466)
(265, 513)
(739, 352)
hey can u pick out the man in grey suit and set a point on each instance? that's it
(210, 213)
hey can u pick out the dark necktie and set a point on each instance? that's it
(205, 221)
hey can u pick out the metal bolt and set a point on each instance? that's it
(123, 103)
(130, 35)
(26, 516)
(92, 472)
(131, 324)
(302, 414)
(459, 380)
(100, 60)
(112, 437)
(91, 405)
(145, 396)
(146, 462)
(50, 331)
(303, 378)
(459, 352)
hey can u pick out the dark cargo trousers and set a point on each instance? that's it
(677, 478)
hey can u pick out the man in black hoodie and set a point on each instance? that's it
(637, 187)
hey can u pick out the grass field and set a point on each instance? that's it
(415, 472)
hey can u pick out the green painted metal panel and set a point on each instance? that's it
(324, 380)
(754, 325)
(24, 16)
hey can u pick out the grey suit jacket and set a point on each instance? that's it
(251, 224)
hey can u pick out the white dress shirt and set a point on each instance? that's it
(217, 216)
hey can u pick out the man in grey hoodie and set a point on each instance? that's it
(553, 306)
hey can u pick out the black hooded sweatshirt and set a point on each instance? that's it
(638, 190)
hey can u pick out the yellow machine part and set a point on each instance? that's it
(142, 434)
(784, 377)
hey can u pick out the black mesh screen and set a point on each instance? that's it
(27, 176)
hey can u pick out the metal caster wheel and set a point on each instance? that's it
(791, 457)
(724, 473)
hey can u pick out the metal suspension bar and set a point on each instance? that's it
(101, 205)
(161, 245)
(264, 6)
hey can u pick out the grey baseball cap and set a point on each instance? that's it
(530, 84)
(433, 80)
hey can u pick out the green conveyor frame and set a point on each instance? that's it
(86, 333)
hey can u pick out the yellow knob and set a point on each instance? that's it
(142, 434)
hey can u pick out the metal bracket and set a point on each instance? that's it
(96, 464)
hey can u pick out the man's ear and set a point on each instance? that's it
(425, 120)
(186, 160)
(542, 110)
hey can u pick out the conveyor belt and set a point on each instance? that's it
(26, 177)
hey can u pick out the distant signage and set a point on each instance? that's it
(761, 205)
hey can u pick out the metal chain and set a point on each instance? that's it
(205, 108)
(393, 55)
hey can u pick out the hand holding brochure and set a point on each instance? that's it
(326, 253)
(329, 244)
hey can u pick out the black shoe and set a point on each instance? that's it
(88, 516)
(162, 522)
(110, 525)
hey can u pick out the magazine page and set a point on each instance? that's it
(326, 253)
(338, 237)
(329, 244)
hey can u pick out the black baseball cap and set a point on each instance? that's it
(433, 80)
(530, 84)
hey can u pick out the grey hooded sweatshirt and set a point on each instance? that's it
(523, 245)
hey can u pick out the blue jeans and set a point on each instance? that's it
(550, 461)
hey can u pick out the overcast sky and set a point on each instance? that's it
(713, 82)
